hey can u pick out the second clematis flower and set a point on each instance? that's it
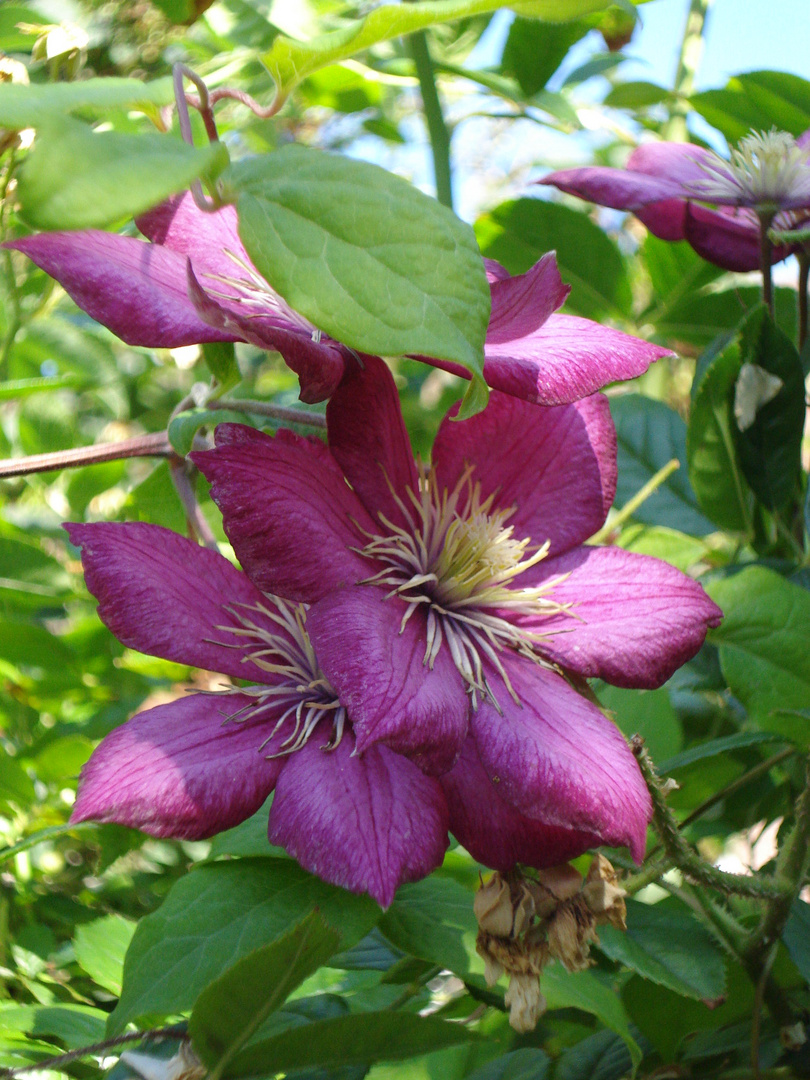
(193, 282)
(455, 608)
(667, 186)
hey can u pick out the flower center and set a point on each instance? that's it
(766, 169)
(299, 687)
(460, 559)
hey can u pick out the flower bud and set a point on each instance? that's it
(526, 1003)
(493, 907)
(603, 894)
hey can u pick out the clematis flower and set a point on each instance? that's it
(455, 608)
(666, 185)
(193, 282)
(207, 761)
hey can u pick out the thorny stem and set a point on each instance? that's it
(437, 128)
(804, 271)
(756, 1018)
(156, 445)
(765, 249)
(266, 408)
(181, 474)
(176, 1031)
(684, 856)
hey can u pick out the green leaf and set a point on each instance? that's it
(220, 358)
(349, 1040)
(763, 647)
(663, 942)
(75, 1025)
(648, 713)
(650, 434)
(673, 547)
(518, 233)
(716, 747)
(15, 785)
(525, 1064)
(13, 39)
(714, 470)
(582, 990)
(30, 578)
(433, 919)
(290, 61)
(217, 914)
(768, 426)
(45, 103)
(100, 948)
(636, 95)
(796, 936)
(230, 1010)
(757, 100)
(23, 388)
(534, 50)
(699, 317)
(602, 1056)
(676, 273)
(366, 257)
(184, 426)
(76, 178)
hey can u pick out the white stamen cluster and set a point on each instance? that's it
(766, 169)
(460, 559)
(253, 291)
(301, 689)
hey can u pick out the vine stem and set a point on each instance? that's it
(689, 57)
(267, 408)
(437, 128)
(156, 445)
(804, 271)
(765, 249)
(176, 1031)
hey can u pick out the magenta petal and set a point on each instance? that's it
(681, 164)
(379, 673)
(619, 188)
(493, 832)
(136, 289)
(161, 594)
(367, 436)
(521, 304)
(557, 759)
(180, 770)
(556, 466)
(566, 359)
(666, 219)
(287, 511)
(209, 239)
(365, 822)
(633, 620)
(318, 363)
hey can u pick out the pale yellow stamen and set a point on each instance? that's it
(461, 559)
(766, 169)
(305, 694)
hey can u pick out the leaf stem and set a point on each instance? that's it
(181, 474)
(804, 270)
(765, 249)
(432, 108)
(267, 408)
(176, 1031)
(689, 57)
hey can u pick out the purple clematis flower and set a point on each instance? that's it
(206, 762)
(193, 282)
(666, 185)
(454, 607)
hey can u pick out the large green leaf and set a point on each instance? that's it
(698, 317)
(433, 919)
(349, 1040)
(526, 1064)
(602, 1056)
(648, 713)
(796, 936)
(583, 990)
(218, 914)
(30, 106)
(769, 429)
(518, 233)
(290, 61)
(714, 470)
(366, 257)
(76, 1025)
(664, 943)
(757, 100)
(763, 647)
(230, 1010)
(676, 272)
(650, 434)
(534, 50)
(76, 178)
(100, 949)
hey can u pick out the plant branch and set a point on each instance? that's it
(176, 1031)
(804, 271)
(156, 445)
(684, 856)
(181, 473)
(691, 53)
(432, 108)
(765, 249)
(267, 408)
